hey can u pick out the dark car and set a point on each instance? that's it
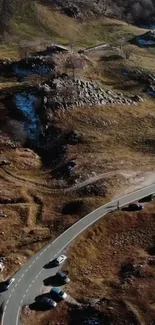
(147, 198)
(134, 207)
(64, 279)
(57, 292)
(9, 282)
(6, 284)
(47, 301)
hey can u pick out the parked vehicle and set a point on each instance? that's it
(148, 198)
(134, 207)
(152, 197)
(59, 293)
(62, 276)
(1, 267)
(9, 282)
(59, 260)
(47, 301)
(56, 262)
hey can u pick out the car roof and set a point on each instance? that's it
(48, 300)
(134, 204)
(61, 256)
(61, 273)
(55, 289)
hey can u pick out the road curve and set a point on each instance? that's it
(28, 279)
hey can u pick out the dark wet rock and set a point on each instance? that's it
(73, 137)
(65, 170)
(151, 250)
(35, 65)
(150, 90)
(104, 311)
(130, 269)
(92, 190)
(72, 11)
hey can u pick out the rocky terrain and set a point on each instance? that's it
(137, 11)
(141, 12)
(64, 93)
(77, 128)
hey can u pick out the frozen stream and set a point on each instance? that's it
(26, 103)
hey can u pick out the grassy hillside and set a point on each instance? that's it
(130, 10)
(16, 10)
(40, 23)
(35, 18)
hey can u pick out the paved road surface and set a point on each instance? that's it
(29, 279)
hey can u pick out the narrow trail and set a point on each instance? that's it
(91, 180)
(19, 181)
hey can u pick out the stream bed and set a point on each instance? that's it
(26, 103)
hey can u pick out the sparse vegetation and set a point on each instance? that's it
(87, 155)
(74, 207)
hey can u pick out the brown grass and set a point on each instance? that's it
(113, 138)
(94, 263)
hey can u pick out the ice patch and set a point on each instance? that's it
(26, 103)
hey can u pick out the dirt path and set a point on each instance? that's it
(91, 180)
(5, 174)
(20, 181)
(136, 179)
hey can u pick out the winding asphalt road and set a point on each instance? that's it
(29, 279)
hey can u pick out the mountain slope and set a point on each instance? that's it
(15, 9)
(136, 11)
(15, 12)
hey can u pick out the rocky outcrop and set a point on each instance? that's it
(139, 11)
(64, 93)
(146, 78)
(144, 40)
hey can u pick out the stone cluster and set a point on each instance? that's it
(63, 93)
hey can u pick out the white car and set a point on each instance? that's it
(9, 282)
(1, 267)
(61, 259)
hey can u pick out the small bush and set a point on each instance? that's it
(74, 207)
